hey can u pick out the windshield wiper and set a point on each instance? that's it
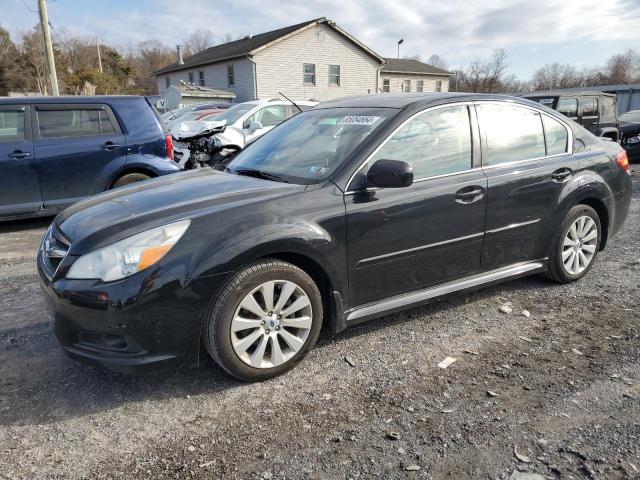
(252, 172)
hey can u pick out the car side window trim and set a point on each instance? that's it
(541, 112)
(474, 152)
(35, 125)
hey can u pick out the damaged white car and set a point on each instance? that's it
(214, 142)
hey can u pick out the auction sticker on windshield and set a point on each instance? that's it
(359, 120)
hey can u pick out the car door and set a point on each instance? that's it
(19, 189)
(526, 176)
(589, 114)
(78, 149)
(266, 118)
(405, 239)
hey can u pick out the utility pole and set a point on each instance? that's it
(99, 58)
(48, 48)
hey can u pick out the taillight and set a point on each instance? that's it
(623, 161)
(169, 141)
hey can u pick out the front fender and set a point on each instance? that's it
(306, 240)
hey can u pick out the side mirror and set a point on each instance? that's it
(253, 126)
(390, 174)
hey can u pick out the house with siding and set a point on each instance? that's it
(311, 60)
(405, 75)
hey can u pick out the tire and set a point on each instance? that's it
(241, 340)
(561, 267)
(130, 178)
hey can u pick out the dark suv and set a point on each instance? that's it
(595, 111)
(349, 211)
(55, 151)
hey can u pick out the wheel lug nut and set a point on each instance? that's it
(277, 328)
(262, 322)
(266, 330)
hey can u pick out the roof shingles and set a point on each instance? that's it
(405, 65)
(237, 48)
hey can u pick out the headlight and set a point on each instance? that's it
(130, 255)
(633, 140)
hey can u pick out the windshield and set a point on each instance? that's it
(631, 116)
(310, 146)
(231, 115)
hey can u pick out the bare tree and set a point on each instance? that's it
(226, 38)
(485, 77)
(623, 67)
(198, 41)
(151, 55)
(438, 61)
(413, 57)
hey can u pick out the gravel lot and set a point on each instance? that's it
(555, 394)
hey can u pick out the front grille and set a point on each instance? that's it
(54, 248)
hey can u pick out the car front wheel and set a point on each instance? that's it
(264, 321)
(575, 245)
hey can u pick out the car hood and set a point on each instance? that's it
(120, 213)
(629, 127)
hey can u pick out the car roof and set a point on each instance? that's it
(69, 99)
(560, 93)
(404, 100)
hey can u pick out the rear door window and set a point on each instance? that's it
(510, 133)
(568, 107)
(556, 136)
(64, 123)
(11, 125)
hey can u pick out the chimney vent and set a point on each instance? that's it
(180, 59)
(247, 37)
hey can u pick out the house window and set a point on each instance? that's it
(191, 78)
(334, 75)
(231, 79)
(309, 74)
(167, 82)
(438, 85)
(406, 87)
(420, 86)
(201, 78)
(386, 85)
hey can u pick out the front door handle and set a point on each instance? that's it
(108, 146)
(19, 154)
(469, 194)
(561, 175)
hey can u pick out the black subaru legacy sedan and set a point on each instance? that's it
(349, 211)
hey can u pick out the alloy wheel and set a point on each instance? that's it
(271, 324)
(579, 246)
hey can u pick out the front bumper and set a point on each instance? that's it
(129, 326)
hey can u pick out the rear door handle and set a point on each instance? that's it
(19, 154)
(108, 146)
(469, 194)
(561, 175)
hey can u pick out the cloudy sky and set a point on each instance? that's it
(533, 32)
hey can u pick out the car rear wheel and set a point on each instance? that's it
(130, 178)
(265, 320)
(575, 245)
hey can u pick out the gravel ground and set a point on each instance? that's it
(554, 394)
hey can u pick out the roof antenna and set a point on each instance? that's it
(294, 103)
